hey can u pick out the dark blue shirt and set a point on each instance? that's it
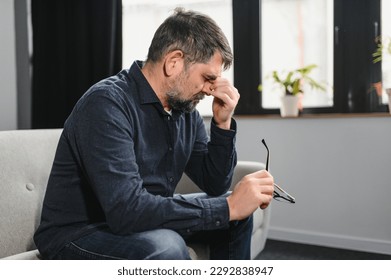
(119, 159)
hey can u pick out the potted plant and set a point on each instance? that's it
(382, 49)
(292, 85)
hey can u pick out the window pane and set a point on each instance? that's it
(294, 34)
(386, 38)
(141, 18)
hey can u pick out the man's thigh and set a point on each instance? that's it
(102, 244)
(233, 242)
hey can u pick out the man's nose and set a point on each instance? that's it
(208, 88)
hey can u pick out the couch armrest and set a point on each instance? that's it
(261, 217)
(243, 168)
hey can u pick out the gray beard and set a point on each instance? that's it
(183, 105)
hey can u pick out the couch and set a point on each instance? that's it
(26, 158)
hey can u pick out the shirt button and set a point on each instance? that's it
(168, 118)
(170, 149)
(171, 179)
(218, 223)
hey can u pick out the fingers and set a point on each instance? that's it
(266, 196)
(253, 191)
(263, 183)
(260, 174)
(226, 97)
(264, 186)
(222, 89)
(266, 199)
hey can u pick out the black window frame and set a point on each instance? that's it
(354, 71)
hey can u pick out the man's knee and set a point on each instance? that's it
(168, 246)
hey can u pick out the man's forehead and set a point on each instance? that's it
(213, 67)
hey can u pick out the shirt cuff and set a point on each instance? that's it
(216, 213)
(222, 135)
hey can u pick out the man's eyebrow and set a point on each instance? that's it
(211, 77)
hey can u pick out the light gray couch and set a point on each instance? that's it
(26, 158)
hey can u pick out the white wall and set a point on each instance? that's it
(338, 169)
(8, 99)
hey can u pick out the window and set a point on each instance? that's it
(305, 36)
(141, 18)
(386, 55)
(346, 30)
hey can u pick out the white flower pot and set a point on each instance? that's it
(289, 106)
(388, 91)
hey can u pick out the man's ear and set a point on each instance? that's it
(173, 63)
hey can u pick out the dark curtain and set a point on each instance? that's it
(75, 44)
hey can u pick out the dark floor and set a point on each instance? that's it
(280, 250)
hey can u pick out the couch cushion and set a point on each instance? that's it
(26, 157)
(30, 255)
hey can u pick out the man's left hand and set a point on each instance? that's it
(226, 97)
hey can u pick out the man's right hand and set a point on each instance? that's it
(253, 191)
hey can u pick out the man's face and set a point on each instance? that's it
(193, 83)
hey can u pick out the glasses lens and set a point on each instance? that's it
(282, 199)
(283, 195)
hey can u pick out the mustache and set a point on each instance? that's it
(199, 96)
(184, 105)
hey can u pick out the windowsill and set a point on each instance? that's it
(318, 116)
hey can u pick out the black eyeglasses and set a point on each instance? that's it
(279, 195)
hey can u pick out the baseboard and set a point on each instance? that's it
(331, 240)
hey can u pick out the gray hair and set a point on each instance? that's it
(195, 34)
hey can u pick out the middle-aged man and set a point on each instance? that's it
(128, 141)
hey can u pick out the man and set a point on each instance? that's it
(127, 143)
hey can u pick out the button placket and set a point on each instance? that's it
(170, 156)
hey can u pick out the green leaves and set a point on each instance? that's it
(378, 54)
(295, 79)
(307, 69)
(382, 47)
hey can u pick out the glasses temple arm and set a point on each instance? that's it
(268, 154)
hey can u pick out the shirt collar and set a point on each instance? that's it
(146, 93)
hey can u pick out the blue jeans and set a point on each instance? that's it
(161, 244)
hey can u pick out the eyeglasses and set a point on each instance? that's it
(279, 195)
